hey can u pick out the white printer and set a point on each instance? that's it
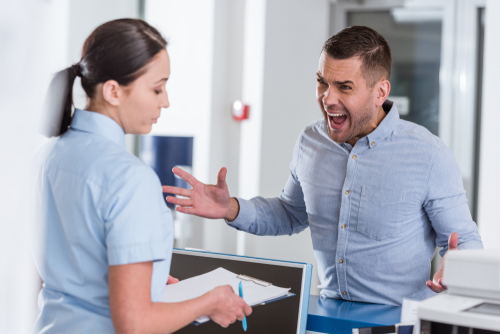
(472, 303)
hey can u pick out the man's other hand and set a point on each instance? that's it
(436, 284)
(204, 200)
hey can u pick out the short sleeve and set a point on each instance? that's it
(135, 218)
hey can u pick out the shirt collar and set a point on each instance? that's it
(387, 126)
(89, 121)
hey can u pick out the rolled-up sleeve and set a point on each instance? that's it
(283, 215)
(446, 204)
(135, 231)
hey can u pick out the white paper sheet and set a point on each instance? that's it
(197, 286)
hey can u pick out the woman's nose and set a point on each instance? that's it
(165, 103)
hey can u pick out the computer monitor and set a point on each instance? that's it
(285, 316)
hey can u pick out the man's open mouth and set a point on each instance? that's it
(336, 118)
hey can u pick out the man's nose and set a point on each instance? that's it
(330, 97)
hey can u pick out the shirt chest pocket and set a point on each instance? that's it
(381, 212)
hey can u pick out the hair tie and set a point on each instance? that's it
(77, 69)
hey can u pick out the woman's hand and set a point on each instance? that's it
(227, 306)
(172, 280)
(204, 200)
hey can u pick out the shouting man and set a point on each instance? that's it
(379, 193)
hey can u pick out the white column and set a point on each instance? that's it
(253, 86)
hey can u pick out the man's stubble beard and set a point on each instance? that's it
(359, 124)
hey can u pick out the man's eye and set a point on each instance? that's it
(320, 81)
(345, 87)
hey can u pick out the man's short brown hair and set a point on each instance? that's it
(368, 45)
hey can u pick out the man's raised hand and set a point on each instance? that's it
(204, 200)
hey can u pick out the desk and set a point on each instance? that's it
(339, 317)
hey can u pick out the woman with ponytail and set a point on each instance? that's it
(108, 237)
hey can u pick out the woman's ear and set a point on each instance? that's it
(382, 89)
(112, 92)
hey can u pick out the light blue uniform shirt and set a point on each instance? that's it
(376, 211)
(98, 206)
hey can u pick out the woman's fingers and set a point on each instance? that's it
(185, 176)
(172, 280)
(180, 201)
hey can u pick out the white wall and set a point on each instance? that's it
(29, 33)
(489, 167)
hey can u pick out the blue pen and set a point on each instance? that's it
(245, 318)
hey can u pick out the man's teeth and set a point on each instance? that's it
(335, 115)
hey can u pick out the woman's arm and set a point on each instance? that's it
(132, 310)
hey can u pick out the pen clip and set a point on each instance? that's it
(255, 280)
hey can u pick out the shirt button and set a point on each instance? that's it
(344, 293)
(373, 143)
(343, 226)
(347, 192)
(354, 157)
(341, 261)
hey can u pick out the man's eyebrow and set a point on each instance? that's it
(344, 82)
(336, 82)
(162, 79)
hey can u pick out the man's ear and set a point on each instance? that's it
(381, 91)
(112, 92)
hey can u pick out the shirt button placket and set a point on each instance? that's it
(342, 238)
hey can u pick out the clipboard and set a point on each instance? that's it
(257, 291)
(288, 295)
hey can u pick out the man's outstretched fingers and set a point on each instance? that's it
(185, 176)
(189, 211)
(180, 201)
(453, 241)
(177, 191)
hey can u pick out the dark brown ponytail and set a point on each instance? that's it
(71, 74)
(117, 50)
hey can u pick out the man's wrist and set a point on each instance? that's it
(233, 210)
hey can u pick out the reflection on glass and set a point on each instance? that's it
(415, 40)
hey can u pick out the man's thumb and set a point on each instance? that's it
(453, 241)
(221, 178)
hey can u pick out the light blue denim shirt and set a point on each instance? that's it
(97, 205)
(377, 211)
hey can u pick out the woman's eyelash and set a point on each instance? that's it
(157, 91)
